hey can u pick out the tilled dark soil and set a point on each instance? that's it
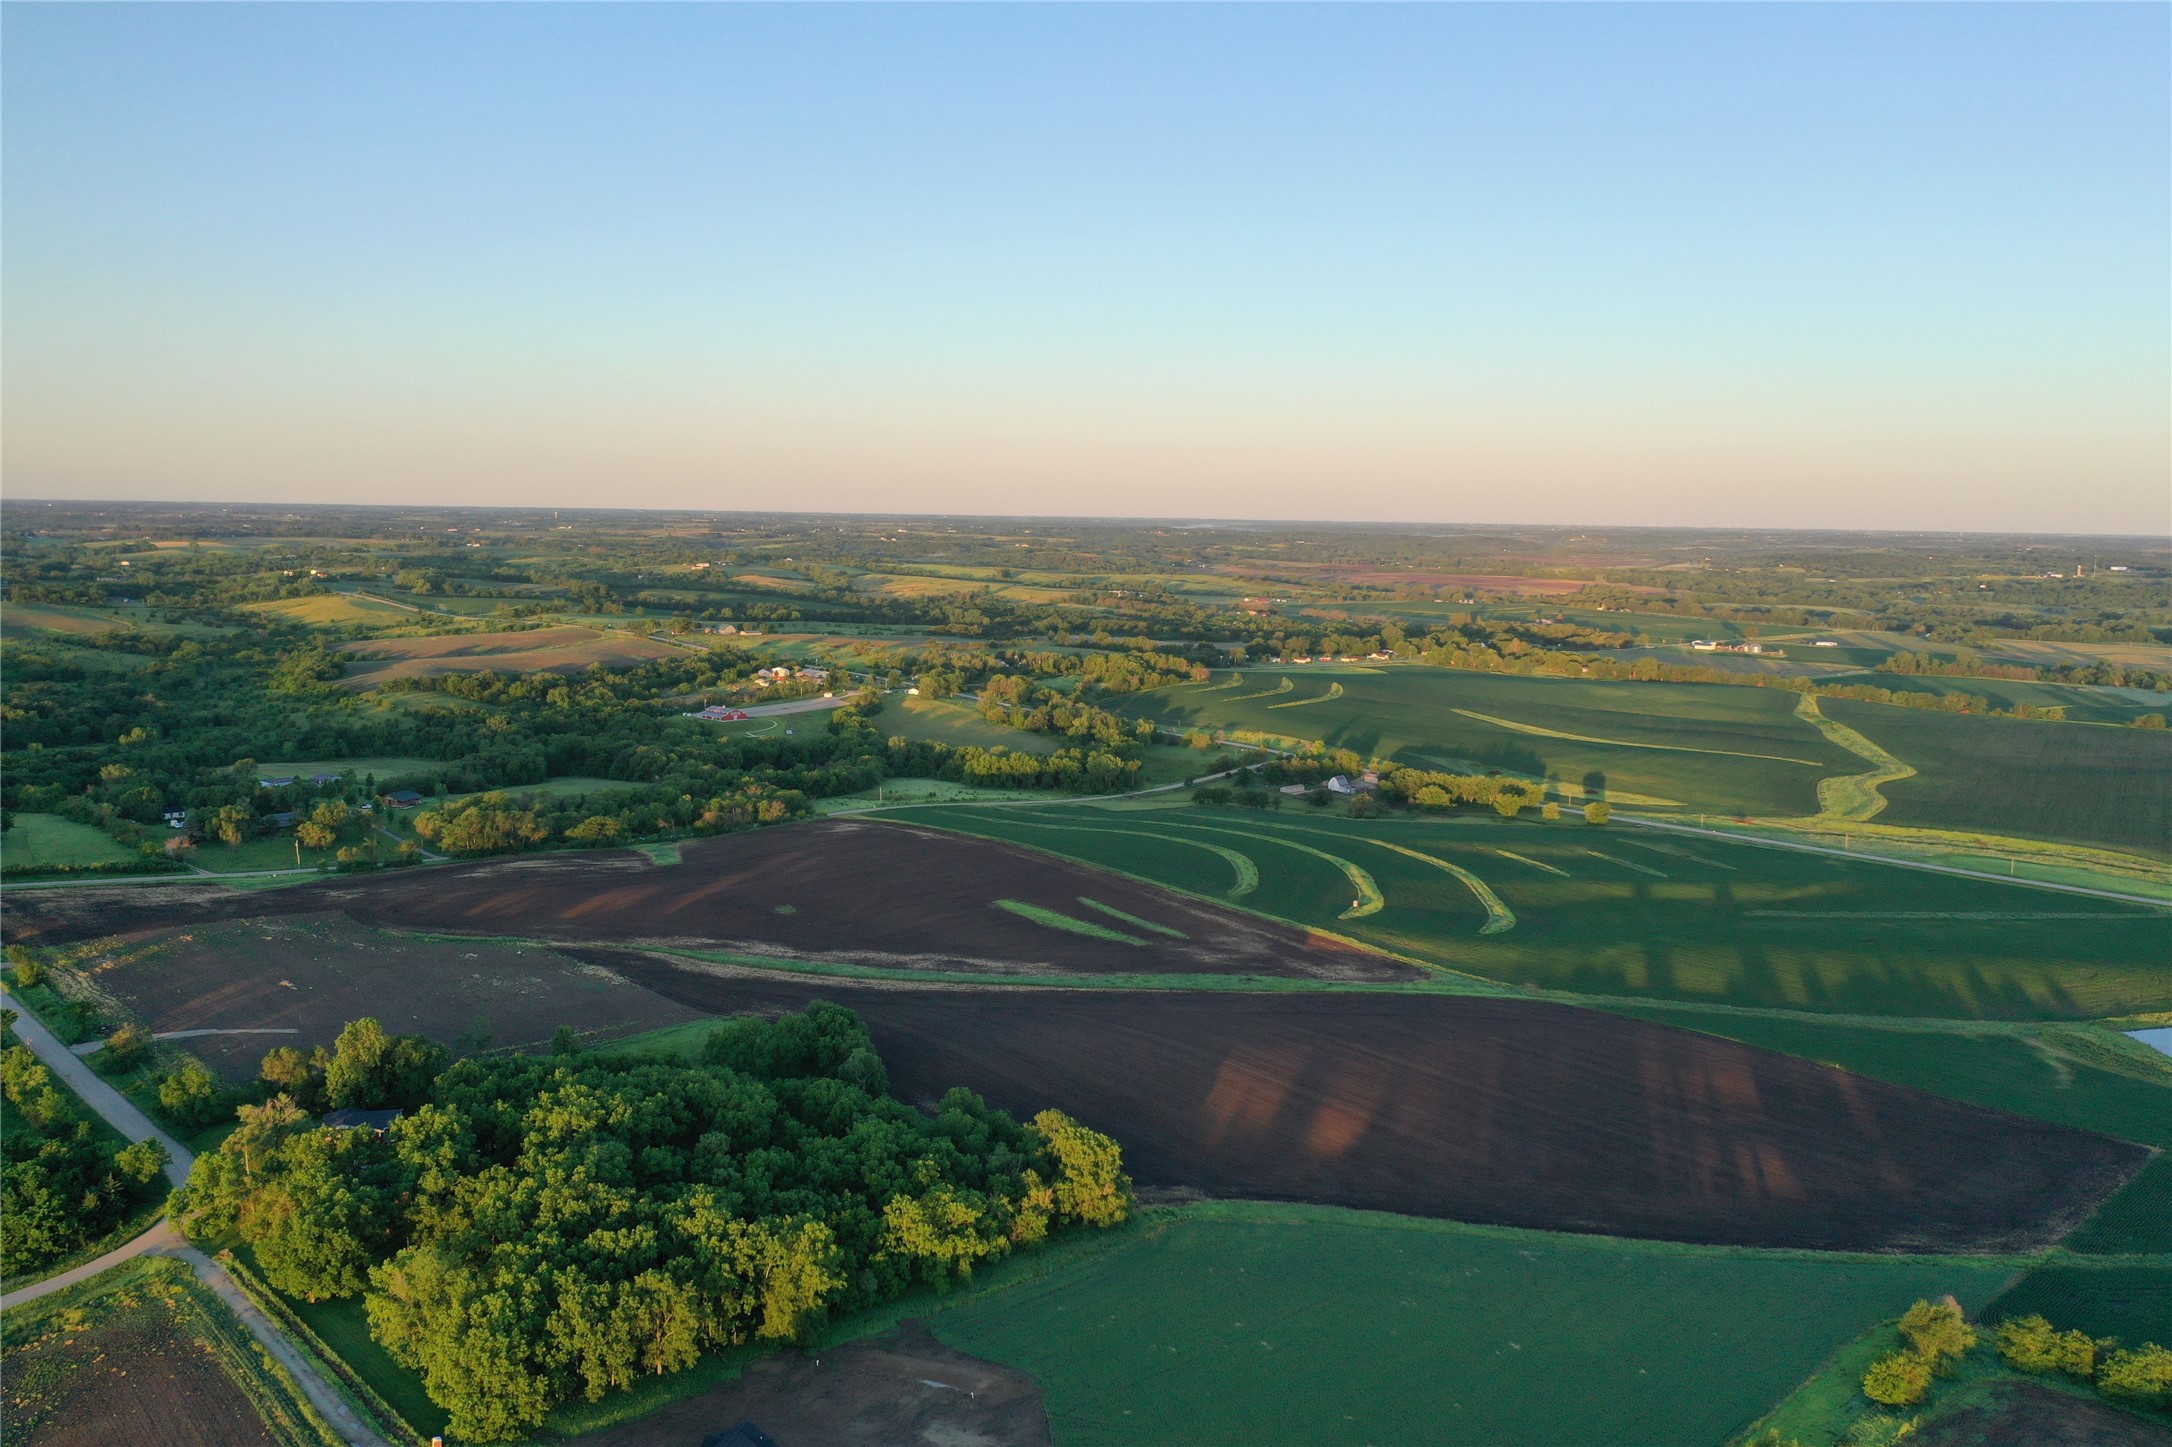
(845, 890)
(135, 1379)
(2031, 1416)
(1506, 1111)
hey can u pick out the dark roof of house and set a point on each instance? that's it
(403, 796)
(348, 1118)
(746, 1434)
(283, 818)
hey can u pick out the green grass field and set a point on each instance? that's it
(958, 724)
(334, 610)
(2044, 1074)
(1698, 747)
(50, 841)
(2132, 1303)
(1244, 1324)
(2137, 1221)
(2067, 782)
(1623, 912)
(343, 1325)
(57, 618)
(383, 767)
(273, 851)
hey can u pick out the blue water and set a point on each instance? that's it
(2160, 1039)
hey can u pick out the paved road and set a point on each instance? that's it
(162, 1237)
(336, 1409)
(119, 1111)
(165, 1240)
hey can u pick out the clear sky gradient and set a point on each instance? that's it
(1840, 265)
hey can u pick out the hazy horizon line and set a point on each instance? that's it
(1166, 519)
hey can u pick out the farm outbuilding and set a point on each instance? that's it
(348, 1118)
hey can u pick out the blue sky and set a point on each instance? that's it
(1839, 265)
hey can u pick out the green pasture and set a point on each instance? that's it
(2130, 1302)
(1797, 660)
(384, 767)
(333, 610)
(58, 618)
(946, 721)
(2071, 783)
(275, 851)
(921, 791)
(1622, 912)
(1243, 1324)
(50, 841)
(343, 1325)
(2137, 1221)
(1701, 747)
(2066, 1074)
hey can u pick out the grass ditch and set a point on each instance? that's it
(1053, 919)
(1131, 919)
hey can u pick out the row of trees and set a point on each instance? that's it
(1937, 1337)
(540, 1227)
(1078, 771)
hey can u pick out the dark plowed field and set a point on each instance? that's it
(2026, 1415)
(1503, 1111)
(868, 893)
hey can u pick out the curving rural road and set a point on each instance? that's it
(164, 1239)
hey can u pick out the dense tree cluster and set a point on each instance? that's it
(1020, 703)
(2138, 1376)
(63, 1186)
(537, 1227)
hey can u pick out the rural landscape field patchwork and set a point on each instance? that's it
(1167, 1001)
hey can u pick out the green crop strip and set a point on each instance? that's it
(1334, 690)
(1284, 687)
(1499, 917)
(1535, 864)
(1146, 924)
(1236, 680)
(1852, 798)
(1639, 868)
(1545, 733)
(1247, 871)
(1369, 901)
(1054, 920)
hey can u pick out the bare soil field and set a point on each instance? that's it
(312, 973)
(842, 890)
(2024, 1415)
(902, 1389)
(541, 650)
(1503, 1111)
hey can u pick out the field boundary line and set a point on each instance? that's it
(1645, 822)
